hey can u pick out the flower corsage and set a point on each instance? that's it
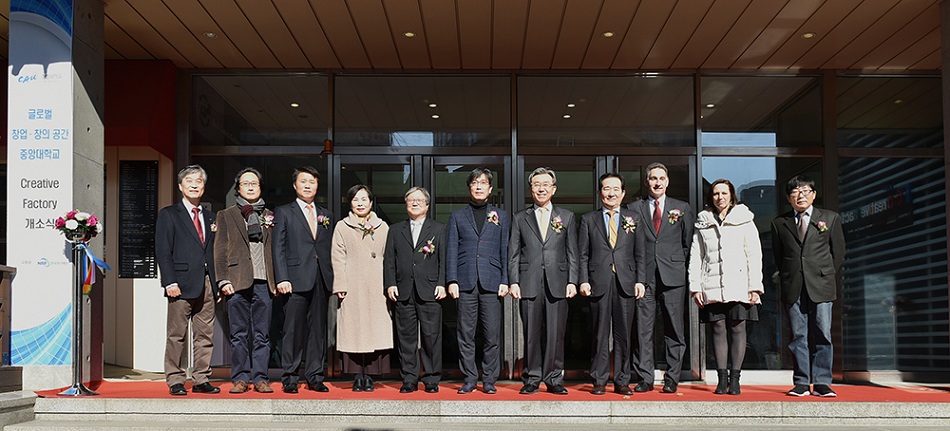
(428, 248)
(629, 226)
(675, 216)
(557, 224)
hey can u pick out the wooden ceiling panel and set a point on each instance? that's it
(543, 27)
(335, 18)
(913, 54)
(753, 21)
(441, 31)
(616, 17)
(677, 31)
(930, 62)
(828, 15)
(308, 33)
(901, 40)
(268, 23)
(651, 17)
(239, 31)
(405, 16)
(198, 22)
(577, 29)
(122, 44)
(373, 27)
(508, 33)
(718, 20)
(145, 35)
(172, 30)
(781, 31)
(475, 33)
(844, 32)
(875, 34)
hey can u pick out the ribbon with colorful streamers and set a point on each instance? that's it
(87, 268)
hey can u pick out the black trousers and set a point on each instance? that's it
(612, 313)
(672, 301)
(413, 316)
(305, 335)
(482, 309)
(544, 320)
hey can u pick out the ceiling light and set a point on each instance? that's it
(898, 101)
(567, 115)
(608, 34)
(295, 105)
(571, 105)
(808, 35)
(432, 105)
(435, 117)
(211, 35)
(710, 105)
(409, 34)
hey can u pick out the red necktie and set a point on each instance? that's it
(201, 234)
(657, 218)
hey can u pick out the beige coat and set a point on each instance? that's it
(363, 321)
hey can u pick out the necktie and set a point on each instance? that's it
(415, 228)
(802, 226)
(657, 218)
(197, 220)
(612, 226)
(312, 221)
(543, 223)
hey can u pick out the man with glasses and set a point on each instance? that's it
(414, 273)
(809, 248)
(477, 272)
(542, 269)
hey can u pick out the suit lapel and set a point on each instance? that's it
(533, 222)
(425, 231)
(264, 238)
(209, 227)
(470, 218)
(298, 214)
(647, 216)
(240, 222)
(792, 227)
(602, 226)
(407, 233)
(188, 222)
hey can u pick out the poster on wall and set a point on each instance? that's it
(138, 210)
(39, 179)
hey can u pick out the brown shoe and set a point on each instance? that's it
(263, 387)
(240, 387)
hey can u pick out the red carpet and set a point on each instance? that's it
(509, 392)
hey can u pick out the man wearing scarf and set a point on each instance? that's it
(245, 270)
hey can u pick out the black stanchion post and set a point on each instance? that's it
(78, 389)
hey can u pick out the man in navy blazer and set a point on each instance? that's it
(542, 269)
(304, 278)
(414, 276)
(184, 249)
(477, 272)
(669, 235)
(809, 249)
(612, 270)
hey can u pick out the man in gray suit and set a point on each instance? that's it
(542, 269)
(669, 235)
(611, 273)
(808, 244)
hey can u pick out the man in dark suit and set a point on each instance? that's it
(809, 249)
(414, 273)
(184, 249)
(669, 235)
(477, 272)
(304, 278)
(542, 269)
(611, 275)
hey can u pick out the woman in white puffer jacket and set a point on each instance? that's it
(725, 277)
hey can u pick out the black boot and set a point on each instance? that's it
(723, 381)
(734, 382)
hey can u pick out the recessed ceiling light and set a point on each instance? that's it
(295, 105)
(608, 34)
(211, 35)
(571, 105)
(409, 34)
(567, 115)
(432, 105)
(710, 105)
(435, 117)
(898, 101)
(808, 35)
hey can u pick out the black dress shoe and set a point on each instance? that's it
(432, 388)
(599, 390)
(358, 384)
(670, 387)
(643, 387)
(489, 388)
(318, 387)
(177, 389)
(623, 389)
(529, 389)
(557, 390)
(290, 388)
(205, 388)
(408, 388)
(368, 384)
(467, 388)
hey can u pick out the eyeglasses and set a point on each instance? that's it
(800, 192)
(250, 184)
(416, 201)
(480, 183)
(541, 186)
